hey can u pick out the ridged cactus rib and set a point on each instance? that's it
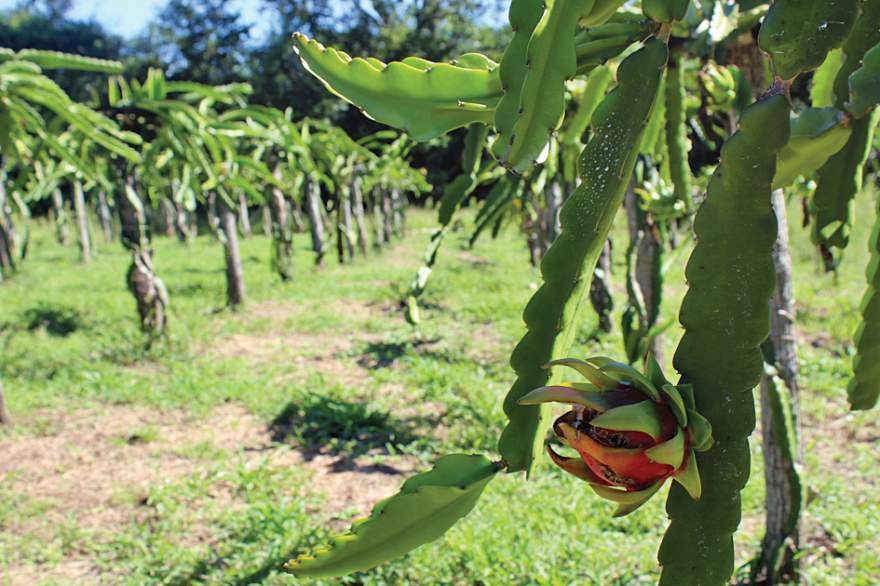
(654, 141)
(57, 60)
(864, 387)
(423, 98)
(524, 16)
(725, 314)
(551, 59)
(840, 179)
(676, 130)
(798, 34)
(553, 313)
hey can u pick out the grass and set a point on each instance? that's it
(245, 437)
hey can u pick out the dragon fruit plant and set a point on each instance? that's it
(631, 431)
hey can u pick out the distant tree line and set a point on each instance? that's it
(209, 41)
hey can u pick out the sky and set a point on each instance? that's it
(128, 17)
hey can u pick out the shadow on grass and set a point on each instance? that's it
(384, 354)
(327, 425)
(321, 425)
(56, 320)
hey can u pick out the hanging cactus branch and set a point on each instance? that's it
(453, 196)
(551, 315)
(816, 134)
(423, 98)
(840, 179)
(426, 507)
(864, 85)
(864, 387)
(726, 318)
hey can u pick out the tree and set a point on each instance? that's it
(202, 41)
(44, 25)
(51, 9)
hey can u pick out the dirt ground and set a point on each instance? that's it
(98, 467)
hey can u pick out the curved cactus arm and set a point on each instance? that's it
(595, 46)
(453, 196)
(816, 134)
(864, 387)
(523, 16)
(58, 60)
(597, 84)
(799, 34)
(426, 507)
(553, 313)
(840, 179)
(497, 204)
(600, 13)
(423, 98)
(551, 59)
(726, 317)
(676, 130)
(864, 85)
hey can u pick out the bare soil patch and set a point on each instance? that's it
(282, 313)
(323, 352)
(90, 457)
(98, 466)
(354, 486)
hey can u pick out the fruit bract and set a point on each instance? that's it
(631, 432)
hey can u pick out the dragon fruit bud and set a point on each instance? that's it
(631, 432)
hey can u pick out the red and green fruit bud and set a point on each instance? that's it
(631, 432)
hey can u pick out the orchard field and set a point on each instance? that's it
(465, 292)
(253, 434)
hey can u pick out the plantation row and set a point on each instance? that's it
(156, 151)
